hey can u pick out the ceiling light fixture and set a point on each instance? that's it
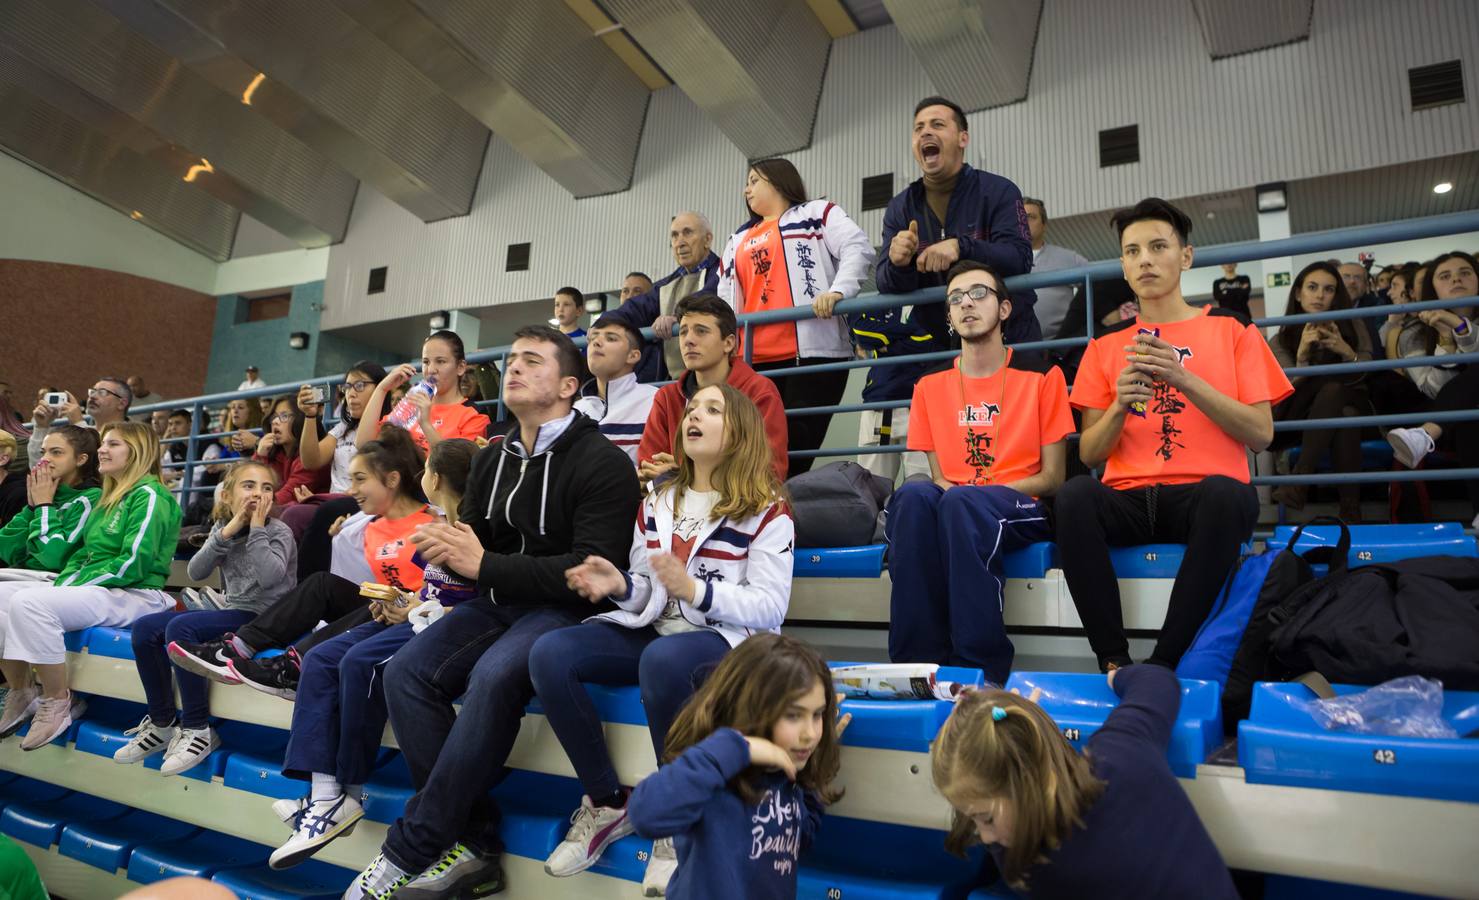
(246, 95)
(1272, 197)
(1442, 187)
(194, 171)
(136, 215)
(439, 320)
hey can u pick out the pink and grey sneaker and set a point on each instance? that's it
(53, 717)
(592, 830)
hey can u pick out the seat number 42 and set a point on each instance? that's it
(1385, 757)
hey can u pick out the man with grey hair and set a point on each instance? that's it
(1052, 302)
(1358, 286)
(107, 401)
(691, 238)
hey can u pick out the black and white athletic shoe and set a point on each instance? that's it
(277, 675)
(208, 659)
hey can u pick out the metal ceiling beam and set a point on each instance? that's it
(1230, 27)
(391, 124)
(49, 139)
(756, 72)
(121, 85)
(976, 52)
(532, 71)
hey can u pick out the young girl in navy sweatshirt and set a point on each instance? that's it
(710, 565)
(749, 764)
(1110, 822)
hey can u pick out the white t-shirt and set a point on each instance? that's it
(343, 437)
(251, 384)
(691, 517)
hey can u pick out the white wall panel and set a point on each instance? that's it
(1334, 103)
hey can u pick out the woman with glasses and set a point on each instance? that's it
(311, 518)
(278, 450)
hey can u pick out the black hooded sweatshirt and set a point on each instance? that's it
(537, 517)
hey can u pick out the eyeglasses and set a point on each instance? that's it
(98, 392)
(977, 293)
(359, 385)
(280, 417)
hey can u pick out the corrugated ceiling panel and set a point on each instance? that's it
(100, 167)
(1230, 27)
(978, 52)
(757, 73)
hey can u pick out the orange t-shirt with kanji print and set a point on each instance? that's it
(389, 551)
(989, 430)
(1175, 442)
(764, 283)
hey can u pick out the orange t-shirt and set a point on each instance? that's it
(1175, 442)
(451, 420)
(989, 430)
(388, 549)
(764, 283)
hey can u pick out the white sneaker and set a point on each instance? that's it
(592, 829)
(660, 868)
(53, 717)
(20, 705)
(381, 880)
(460, 873)
(148, 739)
(189, 749)
(1410, 445)
(289, 810)
(321, 822)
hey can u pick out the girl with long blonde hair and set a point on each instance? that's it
(114, 578)
(710, 566)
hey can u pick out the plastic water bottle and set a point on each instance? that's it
(405, 413)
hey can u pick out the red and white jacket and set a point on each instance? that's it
(743, 568)
(825, 251)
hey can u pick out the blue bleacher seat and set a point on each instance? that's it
(1281, 743)
(312, 880)
(74, 641)
(1151, 560)
(103, 734)
(201, 856)
(1032, 561)
(20, 789)
(1375, 456)
(903, 724)
(536, 812)
(1383, 543)
(40, 822)
(619, 705)
(387, 791)
(262, 775)
(103, 640)
(838, 562)
(1080, 703)
(106, 845)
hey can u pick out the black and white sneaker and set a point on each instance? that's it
(147, 739)
(460, 874)
(277, 675)
(190, 748)
(320, 822)
(209, 659)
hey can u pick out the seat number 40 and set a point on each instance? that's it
(834, 893)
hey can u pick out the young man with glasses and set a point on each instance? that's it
(107, 401)
(994, 430)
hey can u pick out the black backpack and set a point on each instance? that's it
(1289, 585)
(838, 505)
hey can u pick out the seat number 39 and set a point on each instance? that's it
(1385, 757)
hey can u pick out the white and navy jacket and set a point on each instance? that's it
(825, 251)
(743, 566)
(623, 414)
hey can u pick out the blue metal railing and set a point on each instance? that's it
(1083, 276)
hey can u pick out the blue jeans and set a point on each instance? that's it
(945, 561)
(339, 716)
(480, 652)
(152, 634)
(668, 669)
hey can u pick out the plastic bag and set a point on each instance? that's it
(901, 681)
(1411, 706)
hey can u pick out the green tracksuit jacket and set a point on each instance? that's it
(129, 545)
(45, 537)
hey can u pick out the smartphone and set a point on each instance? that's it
(318, 395)
(56, 398)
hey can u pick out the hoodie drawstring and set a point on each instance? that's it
(497, 474)
(544, 491)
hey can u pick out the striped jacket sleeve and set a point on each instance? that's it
(761, 599)
(639, 575)
(146, 535)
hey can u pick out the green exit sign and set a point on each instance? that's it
(1279, 279)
